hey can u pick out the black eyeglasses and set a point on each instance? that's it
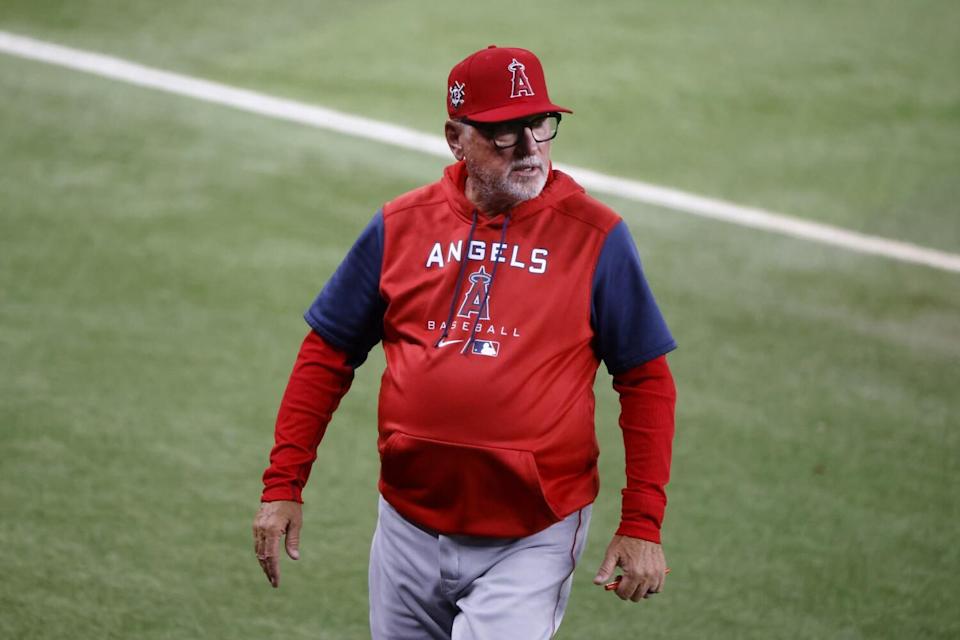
(508, 134)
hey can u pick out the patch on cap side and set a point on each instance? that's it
(457, 94)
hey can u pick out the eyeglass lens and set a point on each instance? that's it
(543, 128)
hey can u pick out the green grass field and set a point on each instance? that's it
(156, 254)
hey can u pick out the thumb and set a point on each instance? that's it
(606, 568)
(293, 540)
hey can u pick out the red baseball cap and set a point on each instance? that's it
(497, 84)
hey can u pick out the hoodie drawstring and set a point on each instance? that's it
(456, 289)
(493, 274)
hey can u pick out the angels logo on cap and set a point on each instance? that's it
(519, 85)
(506, 83)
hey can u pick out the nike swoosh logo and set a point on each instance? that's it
(444, 343)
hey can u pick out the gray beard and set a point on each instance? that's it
(497, 192)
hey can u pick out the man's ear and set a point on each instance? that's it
(453, 132)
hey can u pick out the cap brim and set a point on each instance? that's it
(515, 111)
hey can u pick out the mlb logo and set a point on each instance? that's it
(486, 348)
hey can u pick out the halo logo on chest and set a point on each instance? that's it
(475, 309)
(477, 300)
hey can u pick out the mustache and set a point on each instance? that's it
(527, 163)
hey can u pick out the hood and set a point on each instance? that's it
(559, 186)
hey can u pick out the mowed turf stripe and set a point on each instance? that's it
(323, 118)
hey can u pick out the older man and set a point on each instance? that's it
(496, 292)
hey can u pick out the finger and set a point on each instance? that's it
(270, 557)
(259, 536)
(273, 571)
(262, 558)
(260, 531)
(661, 581)
(261, 547)
(641, 592)
(628, 587)
(263, 567)
(262, 561)
(293, 540)
(607, 568)
(653, 583)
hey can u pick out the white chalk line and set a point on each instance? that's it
(358, 126)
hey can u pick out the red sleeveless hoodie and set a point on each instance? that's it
(493, 328)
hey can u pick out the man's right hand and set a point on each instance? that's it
(272, 521)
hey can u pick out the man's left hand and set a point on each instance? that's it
(643, 564)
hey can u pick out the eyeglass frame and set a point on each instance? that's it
(484, 128)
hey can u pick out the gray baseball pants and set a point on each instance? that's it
(425, 585)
